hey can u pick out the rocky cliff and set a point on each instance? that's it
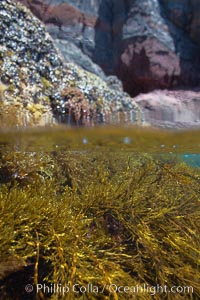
(148, 44)
(38, 87)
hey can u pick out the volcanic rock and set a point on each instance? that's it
(148, 44)
(36, 85)
(171, 109)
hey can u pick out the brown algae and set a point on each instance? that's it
(97, 219)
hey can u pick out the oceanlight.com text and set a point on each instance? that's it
(111, 288)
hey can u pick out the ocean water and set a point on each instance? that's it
(109, 138)
(99, 213)
(191, 159)
(178, 145)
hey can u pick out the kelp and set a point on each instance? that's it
(98, 220)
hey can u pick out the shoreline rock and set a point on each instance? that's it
(148, 44)
(33, 76)
(172, 109)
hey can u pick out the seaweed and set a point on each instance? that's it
(93, 221)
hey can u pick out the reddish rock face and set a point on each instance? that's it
(146, 65)
(62, 14)
(172, 109)
(65, 15)
(156, 49)
(37, 7)
(149, 44)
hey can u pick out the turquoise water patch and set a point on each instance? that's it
(192, 160)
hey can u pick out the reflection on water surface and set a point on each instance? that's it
(103, 138)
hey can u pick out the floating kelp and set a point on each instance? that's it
(81, 225)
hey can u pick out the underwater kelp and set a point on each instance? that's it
(97, 219)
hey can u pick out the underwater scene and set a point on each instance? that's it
(99, 213)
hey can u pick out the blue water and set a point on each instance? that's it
(192, 160)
